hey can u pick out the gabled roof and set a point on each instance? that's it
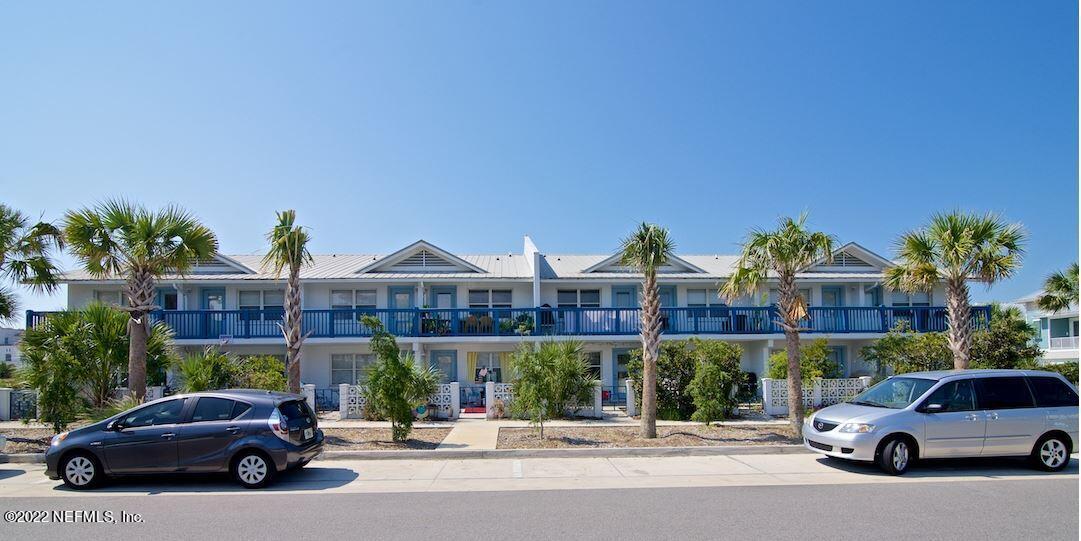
(421, 256)
(851, 257)
(221, 264)
(612, 264)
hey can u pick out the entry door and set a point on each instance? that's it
(214, 299)
(832, 320)
(400, 298)
(957, 430)
(620, 358)
(447, 364)
(625, 299)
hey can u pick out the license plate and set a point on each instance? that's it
(308, 433)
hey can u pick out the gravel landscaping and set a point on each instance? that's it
(627, 436)
(36, 440)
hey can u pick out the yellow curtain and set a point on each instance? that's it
(471, 365)
(506, 365)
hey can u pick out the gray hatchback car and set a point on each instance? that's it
(952, 414)
(251, 434)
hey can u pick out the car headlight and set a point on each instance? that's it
(857, 428)
(59, 438)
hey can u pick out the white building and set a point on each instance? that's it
(465, 313)
(1058, 330)
(9, 346)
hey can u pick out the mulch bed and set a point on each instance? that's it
(627, 436)
(36, 440)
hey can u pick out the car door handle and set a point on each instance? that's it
(168, 435)
(232, 429)
(992, 416)
(972, 417)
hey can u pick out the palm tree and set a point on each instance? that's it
(1059, 290)
(120, 239)
(957, 247)
(782, 252)
(648, 249)
(289, 248)
(26, 256)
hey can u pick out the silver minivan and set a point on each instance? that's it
(952, 414)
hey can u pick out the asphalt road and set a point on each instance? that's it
(1015, 509)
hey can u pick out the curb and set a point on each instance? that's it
(465, 454)
(595, 452)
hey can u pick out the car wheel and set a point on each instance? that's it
(895, 457)
(252, 469)
(1051, 453)
(81, 471)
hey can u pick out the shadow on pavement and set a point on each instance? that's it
(306, 479)
(9, 473)
(953, 467)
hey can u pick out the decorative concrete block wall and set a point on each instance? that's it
(816, 393)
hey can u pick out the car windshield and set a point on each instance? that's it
(894, 393)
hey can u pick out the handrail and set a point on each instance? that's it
(560, 321)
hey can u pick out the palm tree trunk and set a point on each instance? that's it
(651, 341)
(140, 290)
(292, 328)
(787, 299)
(959, 315)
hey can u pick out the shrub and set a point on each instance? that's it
(548, 380)
(675, 370)
(1009, 342)
(396, 386)
(814, 362)
(114, 407)
(206, 371)
(1067, 369)
(260, 372)
(716, 375)
(904, 350)
(7, 370)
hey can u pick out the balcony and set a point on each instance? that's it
(1064, 342)
(466, 322)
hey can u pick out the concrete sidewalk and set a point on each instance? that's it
(320, 477)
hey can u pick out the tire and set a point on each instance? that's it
(896, 456)
(1051, 453)
(81, 471)
(252, 469)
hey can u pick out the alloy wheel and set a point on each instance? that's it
(900, 456)
(1052, 453)
(79, 471)
(252, 469)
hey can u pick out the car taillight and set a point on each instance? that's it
(278, 425)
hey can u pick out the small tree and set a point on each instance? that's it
(675, 370)
(548, 380)
(904, 350)
(260, 372)
(1008, 342)
(26, 256)
(716, 375)
(814, 361)
(51, 353)
(289, 249)
(396, 386)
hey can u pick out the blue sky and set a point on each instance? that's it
(470, 124)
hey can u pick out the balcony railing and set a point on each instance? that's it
(460, 322)
(1064, 342)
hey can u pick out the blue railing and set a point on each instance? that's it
(457, 322)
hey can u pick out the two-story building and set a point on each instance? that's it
(466, 314)
(1058, 331)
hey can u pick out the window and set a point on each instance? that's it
(213, 409)
(168, 299)
(351, 368)
(490, 298)
(163, 413)
(593, 360)
(1052, 392)
(700, 298)
(954, 396)
(900, 298)
(261, 305)
(109, 297)
(581, 298)
(350, 299)
(239, 409)
(1003, 393)
(775, 296)
(894, 393)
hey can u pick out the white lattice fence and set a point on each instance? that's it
(443, 404)
(820, 393)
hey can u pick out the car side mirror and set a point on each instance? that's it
(114, 426)
(933, 408)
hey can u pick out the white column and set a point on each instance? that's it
(631, 411)
(767, 394)
(455, 399)
(418, 354)
(343, 401)
(866, 381)
(489, 398)
(5, 404)
(308, 390)
(860, 293)
(598, 404)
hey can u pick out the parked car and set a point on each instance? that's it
(251, 434)
(952, 414)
